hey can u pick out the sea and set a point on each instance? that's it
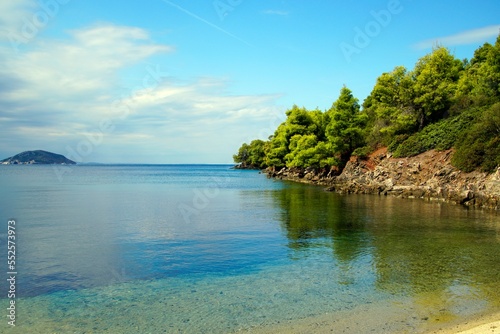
(211, 249)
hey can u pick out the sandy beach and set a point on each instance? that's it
(382, 318)
(481, 325)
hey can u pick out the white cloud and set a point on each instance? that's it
(12, 16)
(464, 38)
(55, 94)
(68, 82)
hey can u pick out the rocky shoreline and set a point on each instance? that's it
(428, 176)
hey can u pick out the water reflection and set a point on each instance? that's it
(438, 254)
(312, 218)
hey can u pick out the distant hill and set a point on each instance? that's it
(37, 157)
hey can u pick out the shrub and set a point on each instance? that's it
(362, 152)
(479, 147)
(441, 136)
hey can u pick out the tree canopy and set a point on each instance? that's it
(443, 102)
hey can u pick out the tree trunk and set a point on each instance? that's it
(421, 121)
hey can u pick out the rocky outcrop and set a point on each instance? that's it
(246, 166)
(428, 176)
(307, 175)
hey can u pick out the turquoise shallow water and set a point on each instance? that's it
(206, 249)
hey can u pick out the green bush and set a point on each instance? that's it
(398, 140)
(362, 152)
(468, 157)
(411, 147)
(479, 147)
(441, 136)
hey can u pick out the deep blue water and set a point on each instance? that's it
(204, 248)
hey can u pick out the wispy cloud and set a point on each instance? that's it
(275, 12)
(463, 38)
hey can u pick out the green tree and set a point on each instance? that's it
(257, 152)
(481, 80)
(435, 81)
(252, 155)
(278, 148)
(345, 130)
(301, 151)
(243, 154)
(320, 120)
(390, 107)
(307, 151)
(299, 122)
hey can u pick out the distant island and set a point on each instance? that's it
(37, 157)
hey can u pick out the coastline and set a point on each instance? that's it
(428, 176)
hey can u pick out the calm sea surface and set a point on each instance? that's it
(207, 249)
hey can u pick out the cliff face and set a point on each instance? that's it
(428, 176)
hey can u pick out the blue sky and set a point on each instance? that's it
(177, 81)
